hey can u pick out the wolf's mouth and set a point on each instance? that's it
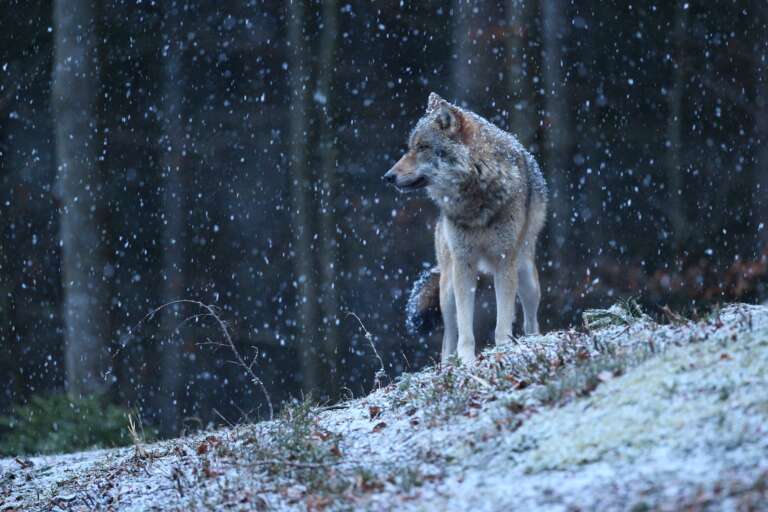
(416, 184)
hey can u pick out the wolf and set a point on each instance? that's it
(492, 199)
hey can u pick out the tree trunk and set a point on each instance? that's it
(470, 65)
(84, 263)
(557, 140)
(676, 206)
(461, 63)
(329, 252)
(301, 200)
(761, 128)
(173, 218)
(522, 93)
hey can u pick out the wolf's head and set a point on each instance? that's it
(437, 148)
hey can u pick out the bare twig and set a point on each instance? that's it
(136, 436)
(229, 423)
(334, 407)
(407, 363)
(210, 311)
(312, 465)
(480, 381)
(190, 319)
(673, 317)
(368, 336)
(24, 463)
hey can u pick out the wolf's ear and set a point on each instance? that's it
(449, 118)
(455, 123)
(433, 102)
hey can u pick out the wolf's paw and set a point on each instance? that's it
(466, 355)
(531, 329)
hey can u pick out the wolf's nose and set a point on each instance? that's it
(389, 177)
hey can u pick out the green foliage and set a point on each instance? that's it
(300, 448)
(442, 396)
(294, 436)
(60, 424)
(625, 312)
(582, 378)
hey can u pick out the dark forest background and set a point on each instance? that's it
(231, 153)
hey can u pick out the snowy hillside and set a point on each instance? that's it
(626, 415)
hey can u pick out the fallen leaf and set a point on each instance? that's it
(374, 411)
(368, 484)
(293, 493)
(322, 435)
(605, 376)
(379, 427)
(315, 502)
(24, 463)
(207, 471)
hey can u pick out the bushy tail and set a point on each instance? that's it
(422, 313)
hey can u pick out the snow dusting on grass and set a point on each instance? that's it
(628, 415)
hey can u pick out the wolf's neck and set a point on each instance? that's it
(475, 201)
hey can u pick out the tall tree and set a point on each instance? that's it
(460, 62)
(329, 253)
(471, 61)
(302, 199)
(520, 72)
(675, 172)
(761, 126)
(83, 251)
(172, 147)
(557, 125)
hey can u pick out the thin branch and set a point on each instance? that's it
(368, 336)
(480, 381)
(229, 423)
(309, 465)
(211, 311)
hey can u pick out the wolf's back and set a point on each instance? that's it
(422, 313)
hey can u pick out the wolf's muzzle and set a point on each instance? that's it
(390, 176)
(407, 183)
(411, 184)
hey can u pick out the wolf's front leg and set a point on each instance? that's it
(448, 309)
(464, 285)
(505, 285)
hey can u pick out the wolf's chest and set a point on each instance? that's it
(486, 247)
(485, 265)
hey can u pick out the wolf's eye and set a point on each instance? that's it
(422, 147)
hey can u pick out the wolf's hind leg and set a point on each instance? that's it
(505, 285)
(529, 292)
(448, 309)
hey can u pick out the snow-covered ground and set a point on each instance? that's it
(629, 415)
